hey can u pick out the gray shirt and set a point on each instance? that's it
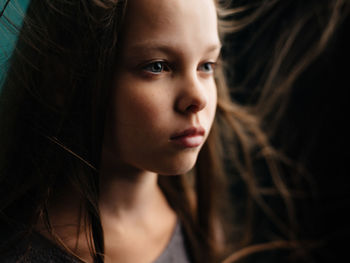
(42, 250)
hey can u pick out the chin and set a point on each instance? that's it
(176, 167)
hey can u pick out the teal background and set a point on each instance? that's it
(14, 12)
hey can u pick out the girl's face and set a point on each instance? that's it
(164, 97)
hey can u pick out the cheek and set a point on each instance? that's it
(140, 108)
(211, 104)
(213, 101)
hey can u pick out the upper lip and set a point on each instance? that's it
(193, 131)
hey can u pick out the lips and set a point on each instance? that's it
(192, 137)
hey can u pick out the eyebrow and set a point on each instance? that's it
(167, 47)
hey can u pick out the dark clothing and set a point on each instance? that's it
(42, 250)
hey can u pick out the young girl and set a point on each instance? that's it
(111, 113)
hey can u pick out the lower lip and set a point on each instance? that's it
(189, 141)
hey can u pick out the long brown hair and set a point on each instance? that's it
(52, 112)
(287, 61)
(52, 109)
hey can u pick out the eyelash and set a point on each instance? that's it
(211, 64)
(163, 66)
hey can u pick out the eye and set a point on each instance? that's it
(207, 67)
(156, 67)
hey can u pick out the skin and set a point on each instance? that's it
(163, 84)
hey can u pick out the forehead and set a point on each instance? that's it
(175, 21)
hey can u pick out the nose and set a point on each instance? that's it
(192, 97)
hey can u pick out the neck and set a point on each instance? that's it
(131, 206)
(129, 191)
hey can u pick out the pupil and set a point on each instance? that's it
(157, 66)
